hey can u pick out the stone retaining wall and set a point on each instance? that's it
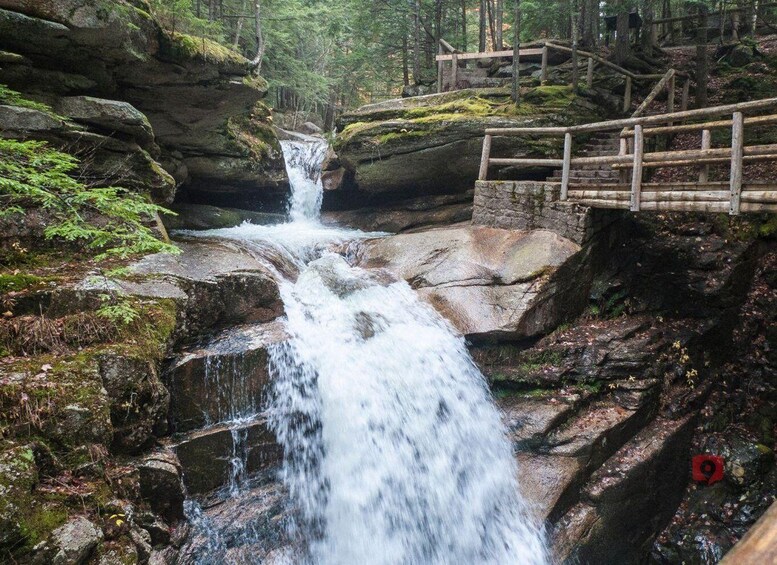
(530, 205)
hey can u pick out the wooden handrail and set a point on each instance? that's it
(638, 159)
(613, 125)
(690, 128)
(448, 47)
(660, 85)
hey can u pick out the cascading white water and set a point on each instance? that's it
(394, 452)
(303, 167)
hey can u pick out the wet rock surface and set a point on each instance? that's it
(737, 424)
(209, 456)
(486, 282)
(224, 379)
(260, 513)
(410, 215)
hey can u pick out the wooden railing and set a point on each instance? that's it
(542, 49)
(732, 196)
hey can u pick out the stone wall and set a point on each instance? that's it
(530, 205)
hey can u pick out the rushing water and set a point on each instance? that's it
(394, 452)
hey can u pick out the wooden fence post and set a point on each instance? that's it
(737, 154)
(636, 175)
(440, 70)
(454, 71)
(671, 88)
(623, 174)
(706, 143)
(566, 166)
(544, 75)
(589, 77)
(485, 156)
(627, 95)
(686, 92)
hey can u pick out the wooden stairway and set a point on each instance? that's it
(600, 145)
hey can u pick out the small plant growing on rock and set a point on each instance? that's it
(118, 310)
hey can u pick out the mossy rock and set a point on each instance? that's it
(61, 399)
(184, 48)
(21, 282)
(18, 476)
(432, 144)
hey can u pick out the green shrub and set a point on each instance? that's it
(111, 221)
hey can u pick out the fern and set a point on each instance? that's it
(109, 220)
(14, 98)
(118, 310)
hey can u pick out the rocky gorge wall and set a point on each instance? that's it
(139, 105)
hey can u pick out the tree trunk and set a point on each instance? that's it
(492, 22)
(405, 60)
(588, 16)
(198, 8)
(437, 25)
(575, 33)
(701, 59)
(648, 29)
(482, 26)
(622, 33)
(417, 42)
(239, 26)
(464, 25)
(516, 94)
(500, 13)
(256, 64)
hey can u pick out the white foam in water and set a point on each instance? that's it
(394, 452)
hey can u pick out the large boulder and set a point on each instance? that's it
(406, 215)
(432, 144)
(112, 150)
(489, 283)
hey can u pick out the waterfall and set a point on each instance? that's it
(303, 167)
(394, 451)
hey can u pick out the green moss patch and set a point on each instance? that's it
(10, 97)
(184, 46)
(21, 281)
(59, 398)
(398, 122)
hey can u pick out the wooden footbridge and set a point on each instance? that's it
(637, 156)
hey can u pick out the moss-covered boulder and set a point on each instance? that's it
(61, 399)
(432, 144)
